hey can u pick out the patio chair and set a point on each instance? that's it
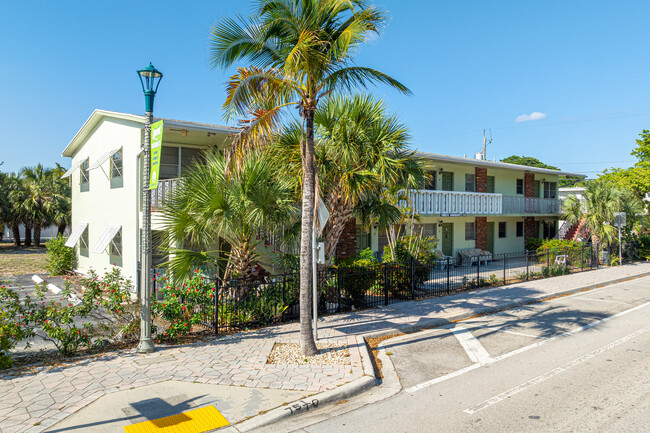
(560, 260)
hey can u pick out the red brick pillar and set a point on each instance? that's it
(481, 233)
(347, 246)
(481, 179)
(529, 184)
(529, 229)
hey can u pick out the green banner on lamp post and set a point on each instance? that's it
(156, 150)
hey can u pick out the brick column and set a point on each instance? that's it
(529, 184)
(347, 246)
(481, 179)
(529, 229)
(481, 233)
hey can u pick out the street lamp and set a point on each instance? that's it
(150, 79)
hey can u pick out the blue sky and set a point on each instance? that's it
(471, 65)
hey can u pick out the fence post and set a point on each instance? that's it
(385, 283)
(478, 271)
(582, 257)
(504, 269)
(338, 287)
(153, 284)
(448, 270)
(216, 306)
(597, 255)
(412, 280)
(548, 261)
(284, 288)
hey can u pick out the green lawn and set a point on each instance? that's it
(21, 260)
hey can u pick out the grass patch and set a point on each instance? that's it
(22, 260)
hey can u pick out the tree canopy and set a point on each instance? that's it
(529, 161)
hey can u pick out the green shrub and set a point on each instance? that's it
(114, 295)
(414, 247)
(62, 321)
(533, 244)
(60, 259)
(14, 325)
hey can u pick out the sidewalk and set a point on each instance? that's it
(231, 372)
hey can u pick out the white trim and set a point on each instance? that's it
(76, 234)
(107, 236)
(103, 158)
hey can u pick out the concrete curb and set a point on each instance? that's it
(391, 380)
(331, 396)
(437, 322)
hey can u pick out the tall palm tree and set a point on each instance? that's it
(302, 51)
(216, 205)
(16, 212)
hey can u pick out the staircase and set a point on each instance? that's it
(575, 231)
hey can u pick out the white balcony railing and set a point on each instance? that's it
(164, 190)
(427, 202)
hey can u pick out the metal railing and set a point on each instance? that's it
(530, 205)
(270, 299)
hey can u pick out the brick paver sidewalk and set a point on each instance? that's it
(36, 400)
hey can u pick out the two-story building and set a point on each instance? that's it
(475, 203)
(468, 203)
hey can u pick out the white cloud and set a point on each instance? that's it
(536, 115)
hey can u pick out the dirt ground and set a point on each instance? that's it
(21, 260)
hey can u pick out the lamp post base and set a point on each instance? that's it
(145, 346)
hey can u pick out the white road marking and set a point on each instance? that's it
(521, 350)
(520, 333)
(541, 378)
(604, 300)
(472, 346)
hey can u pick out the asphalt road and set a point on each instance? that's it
(573, 364)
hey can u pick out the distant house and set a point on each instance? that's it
(468, 203)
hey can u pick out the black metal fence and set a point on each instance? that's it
(265, 300)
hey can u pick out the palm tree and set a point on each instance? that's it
(601, 202)
(217, 207)
(302, 51)
(15, 213)
(360, 151)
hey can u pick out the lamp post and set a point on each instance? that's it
(150, 79)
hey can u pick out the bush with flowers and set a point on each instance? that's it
(113, 293)
(14, 325)
(65, 323)
(184, 306)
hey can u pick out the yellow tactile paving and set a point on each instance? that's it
(192, 421)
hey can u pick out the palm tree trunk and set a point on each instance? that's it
(28, 233)
(16, 233)
(307, 343)
(340, 214)
(37, 234)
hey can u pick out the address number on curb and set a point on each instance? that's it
(302, 406)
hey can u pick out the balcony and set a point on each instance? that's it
(428, 202)
(452, 203)
(164, 190)
(529, 205)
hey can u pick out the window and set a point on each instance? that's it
(83, 243)
(502, 229)
(470, 232)
(536, 229)
(490, 184)
(425, 229)
(447, 181)
(520, 229)
(116, 170)
(189, 157)
(550, 189)
(470, 183)
(115, 249)
(85, 176)
(169, 159)
(520, 186)
(538, 189)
